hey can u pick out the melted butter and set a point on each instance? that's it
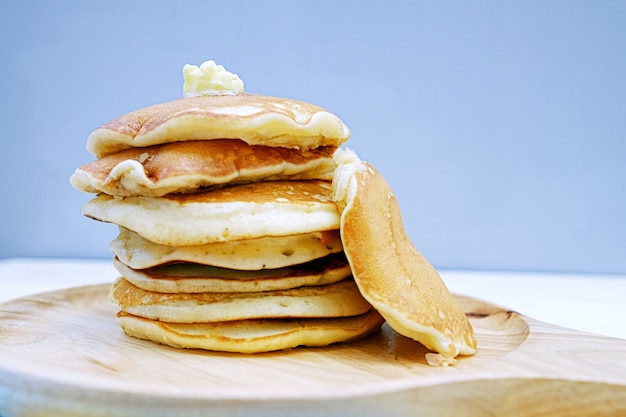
(210, 78)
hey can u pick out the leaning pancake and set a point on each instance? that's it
(340, 299)
(271, 208)
(188, 277)
(187, 166)
(391, 274)
(250, 254)
(253, 336)
(255, 119)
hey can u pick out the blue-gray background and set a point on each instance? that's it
(501, 125)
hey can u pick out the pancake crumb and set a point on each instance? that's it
(439, 360)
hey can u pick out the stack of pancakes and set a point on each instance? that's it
(228, 234)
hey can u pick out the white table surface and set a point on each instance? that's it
(592, 303)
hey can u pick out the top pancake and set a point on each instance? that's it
(255, 119)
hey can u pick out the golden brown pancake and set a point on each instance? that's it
(182, 167)
(255, 119)
(340, 299)
(250, 254)
(186, 277)
(253, 336)
(271, 208)
(391, 274)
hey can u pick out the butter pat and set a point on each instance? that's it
(209, 78)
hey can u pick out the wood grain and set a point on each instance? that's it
(61, 353)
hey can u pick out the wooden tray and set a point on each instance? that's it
(61, 353)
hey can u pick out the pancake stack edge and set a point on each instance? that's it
(228, 237)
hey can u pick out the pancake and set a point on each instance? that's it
(250, 254)
(182, 167)
(253, 336)
(391, 274)
(271, 208)
(340, 299)
(255, 119)
(196, 278)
